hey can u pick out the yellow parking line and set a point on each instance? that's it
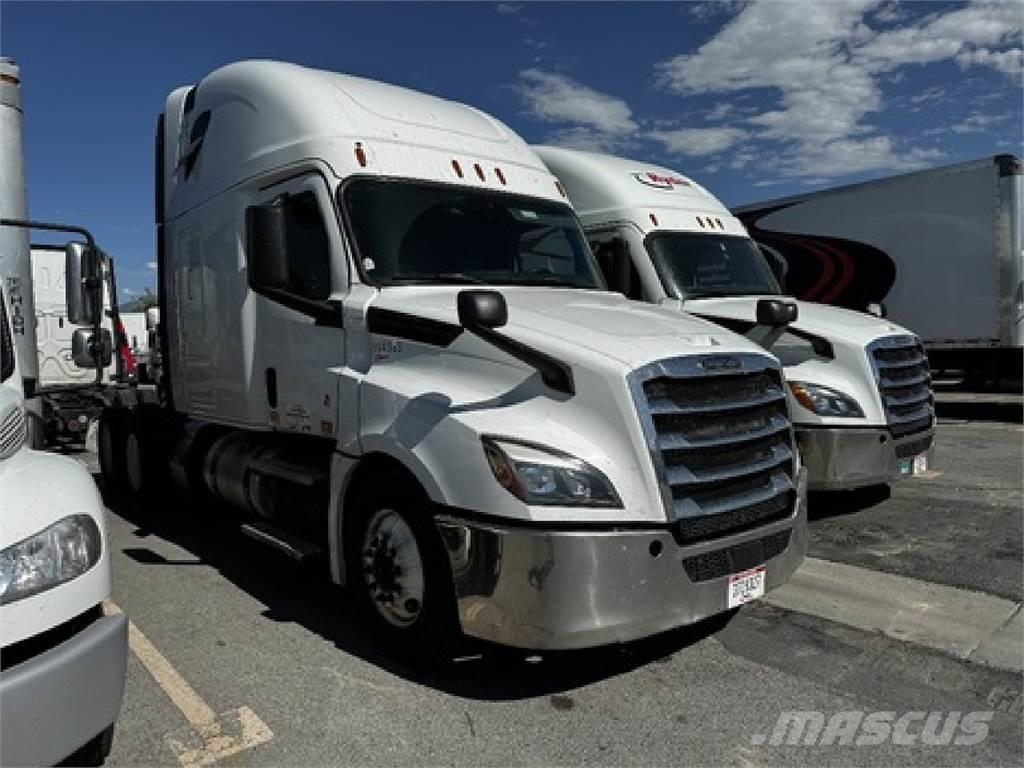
(210, 737)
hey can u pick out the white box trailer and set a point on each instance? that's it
(383, 335)
(64, 659)
(941, 249)
(859, 386)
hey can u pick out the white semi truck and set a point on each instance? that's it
(62, 659)
(942, 250)
(859, 386)
(69, 401)
(383, 336)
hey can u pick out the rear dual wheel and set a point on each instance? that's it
(130, 455)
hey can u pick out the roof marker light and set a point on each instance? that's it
(360, 154)
(654, 219)
(559, 187)
(479, 171)
(720, 224)
(457, 168)
(700, 221)
(500, 175)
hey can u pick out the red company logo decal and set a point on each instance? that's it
(660, 181)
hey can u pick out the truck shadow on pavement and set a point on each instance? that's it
(303, 594)
(825, 504)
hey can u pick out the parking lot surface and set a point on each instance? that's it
(242, 657)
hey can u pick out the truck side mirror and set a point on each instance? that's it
(85, 346)
(776, 313)
(482, 309)
(83, 288)
(266, 245)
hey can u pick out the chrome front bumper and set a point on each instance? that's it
(56, 702)
(845, 458)
(545, 589)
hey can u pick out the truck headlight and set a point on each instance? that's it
(546, 477)
(56, 555)
(824, 401)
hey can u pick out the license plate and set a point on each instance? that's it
(746, 586)
(915, 466)
(921, 464)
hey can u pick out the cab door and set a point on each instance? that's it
(298, 335)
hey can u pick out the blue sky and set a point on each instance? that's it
(755, 100)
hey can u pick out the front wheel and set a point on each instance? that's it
(400, 576)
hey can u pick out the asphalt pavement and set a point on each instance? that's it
(247, 658)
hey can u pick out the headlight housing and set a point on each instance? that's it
(54, 556)
(824, 401)
(546, 477)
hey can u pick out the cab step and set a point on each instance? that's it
(288, 543)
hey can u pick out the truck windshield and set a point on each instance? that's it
(693, 266)
(6, 344)
(410, 232)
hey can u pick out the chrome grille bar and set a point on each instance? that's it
(904, 380)
(720, 437)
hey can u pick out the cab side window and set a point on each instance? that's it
(617, 266)
(309, 254)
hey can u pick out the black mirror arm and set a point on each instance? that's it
(554, 373)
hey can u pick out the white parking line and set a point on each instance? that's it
(969, 625)
(209, 737)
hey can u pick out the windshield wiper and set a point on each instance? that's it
(707, 294)
(553, 280)
(439, 277)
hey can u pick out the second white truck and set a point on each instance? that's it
(859, 386)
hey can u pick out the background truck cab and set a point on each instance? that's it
(859, 386)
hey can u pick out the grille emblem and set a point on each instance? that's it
(720, 363)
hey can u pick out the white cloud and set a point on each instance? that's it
(698, 141)
(825, 62)
(1010, 62)
(931, 95)
(151, 265)
(509, 9)
(720, 111)
(588, 139)
(712, 9)
(597, 118)
(889, 13)
(978, 123)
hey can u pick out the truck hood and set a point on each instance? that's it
(824, 320)
(581, 324)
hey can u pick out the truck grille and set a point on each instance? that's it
(720, 436)
(905, 383)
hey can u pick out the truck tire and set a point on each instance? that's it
(110, 445)
(398, 572)
(145, 464)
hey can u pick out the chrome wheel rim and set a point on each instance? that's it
(133, 461)
(392, 568)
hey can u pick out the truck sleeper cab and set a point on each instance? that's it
(859, 386)
(63, 661)
(382, 334)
